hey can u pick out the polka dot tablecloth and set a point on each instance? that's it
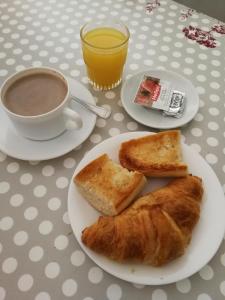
(39, 256)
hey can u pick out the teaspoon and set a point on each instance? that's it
(98, 110)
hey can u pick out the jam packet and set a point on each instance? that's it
(159, 94)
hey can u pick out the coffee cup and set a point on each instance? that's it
(37, 100)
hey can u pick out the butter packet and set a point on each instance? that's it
(155, 93)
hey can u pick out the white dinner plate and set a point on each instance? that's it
(206, 237)
(17, 146)
(154, 118)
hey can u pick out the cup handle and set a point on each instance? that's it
(73, 121)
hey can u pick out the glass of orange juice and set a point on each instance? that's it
(104, 45)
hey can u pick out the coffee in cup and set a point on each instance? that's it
(36, 101)
(35, 94)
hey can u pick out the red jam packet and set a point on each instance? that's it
(158, 94)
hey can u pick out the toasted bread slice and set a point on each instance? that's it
(156, 155)
(108, 187)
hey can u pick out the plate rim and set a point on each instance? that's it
(90, 253)
(49, 156)
(134, 116)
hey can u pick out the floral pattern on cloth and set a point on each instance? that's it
(152, 5)
(186, 13)
(202, 37)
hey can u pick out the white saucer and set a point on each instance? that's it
(154, 118)
(19, 147)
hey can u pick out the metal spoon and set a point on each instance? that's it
(98, 110)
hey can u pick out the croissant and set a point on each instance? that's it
(154, 230)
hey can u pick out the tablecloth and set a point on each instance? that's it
(39, 256)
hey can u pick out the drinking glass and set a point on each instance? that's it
(104, 45)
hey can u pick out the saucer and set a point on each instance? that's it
(154, 118)
(17, 146)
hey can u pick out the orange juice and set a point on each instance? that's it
(105, 51)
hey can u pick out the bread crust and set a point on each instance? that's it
(157, 155)
(108, 187)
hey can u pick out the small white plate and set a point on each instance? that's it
(154, 118)
(206, 236)
(14, 145)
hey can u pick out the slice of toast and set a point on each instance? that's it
(109, 187)
(156, 155)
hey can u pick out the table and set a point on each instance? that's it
(40, 258)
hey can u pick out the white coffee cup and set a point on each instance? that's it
(47, 125)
